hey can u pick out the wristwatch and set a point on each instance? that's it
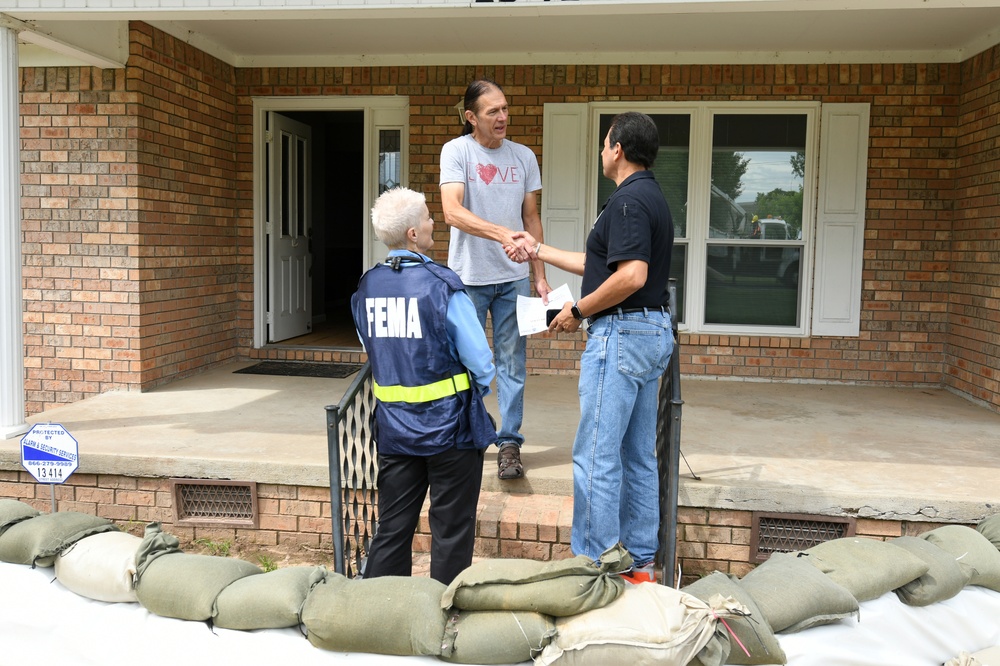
(576, 312)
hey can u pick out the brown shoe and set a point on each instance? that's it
(509, 461)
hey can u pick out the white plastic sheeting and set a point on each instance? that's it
(42, 620)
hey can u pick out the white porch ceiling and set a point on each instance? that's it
(300, 33)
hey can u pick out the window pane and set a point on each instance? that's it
(752, 285)
(670, 168)
(388, 159)
(286, 187)
(300, 186)
(758, 164)
(671, 171)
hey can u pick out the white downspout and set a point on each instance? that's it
(12, 417)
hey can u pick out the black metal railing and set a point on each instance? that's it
(668, 449)
(353, 473)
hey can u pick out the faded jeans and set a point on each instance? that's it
(616, 493)
(509, 351)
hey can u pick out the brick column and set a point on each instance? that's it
(12, 421)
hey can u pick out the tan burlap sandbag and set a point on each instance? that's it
(101, 567)
(647, 624)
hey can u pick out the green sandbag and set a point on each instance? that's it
(272, 600)
(558, 588)
(155, 543)
(13, 511)
(37, 541)
(945, 575)
(495, 637)
(753, 631)
(185, 586)
(397, 615)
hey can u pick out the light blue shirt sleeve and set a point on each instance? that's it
(470, 342)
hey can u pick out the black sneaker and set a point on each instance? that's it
(509, 461)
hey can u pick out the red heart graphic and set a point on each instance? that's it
(486, 172)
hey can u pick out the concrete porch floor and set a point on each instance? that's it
(875, 452)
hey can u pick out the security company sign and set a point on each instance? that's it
(49, 453)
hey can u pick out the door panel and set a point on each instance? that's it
(289, 225)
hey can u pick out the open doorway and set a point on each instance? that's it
(335, 199)
(319, 164)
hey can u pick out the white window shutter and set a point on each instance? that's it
(840, 222)
(564, 184)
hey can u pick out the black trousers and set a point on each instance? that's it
(454, 478)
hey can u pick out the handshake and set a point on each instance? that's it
(524, 248)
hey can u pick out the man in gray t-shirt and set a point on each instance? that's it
(489, 189)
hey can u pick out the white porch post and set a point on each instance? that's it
(12, 415)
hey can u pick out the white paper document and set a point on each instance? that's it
(531, 311)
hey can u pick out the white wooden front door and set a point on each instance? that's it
(289, 227)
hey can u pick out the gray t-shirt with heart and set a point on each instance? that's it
(496, 181)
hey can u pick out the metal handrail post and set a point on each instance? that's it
(668, 448)
(336, 506)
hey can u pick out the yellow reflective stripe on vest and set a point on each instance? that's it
(425, 393)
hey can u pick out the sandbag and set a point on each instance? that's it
(794, 595)
(989, 527)
(101, 567)
(12, 511)
(647, 624)
(945, 575)
(185, 586)
(868, 568)
(399, 615)
(495, 637)
(155, 543)
(272, 600)
(973, 549)
(558, 588)
(37, 541)
(752, 630)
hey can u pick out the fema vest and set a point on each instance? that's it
(422, 390)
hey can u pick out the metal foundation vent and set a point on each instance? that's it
(787, 532)
(211, 502)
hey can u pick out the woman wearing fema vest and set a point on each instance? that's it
(431, 365)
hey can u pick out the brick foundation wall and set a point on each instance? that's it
(177, 293)
(295, 520)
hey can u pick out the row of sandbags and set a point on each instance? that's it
(824, 584)
(511, 610)
(572, 611)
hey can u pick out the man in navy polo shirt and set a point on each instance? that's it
(629, 341)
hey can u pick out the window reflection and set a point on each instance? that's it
(758, 168)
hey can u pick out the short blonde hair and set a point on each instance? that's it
(395, 212)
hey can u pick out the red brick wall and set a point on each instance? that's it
(914, 112)
(130, 242)
(170, 224)
(189, 242)
(79, 220)
(974, 317)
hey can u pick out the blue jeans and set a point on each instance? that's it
(616, 493)
(509, 351)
